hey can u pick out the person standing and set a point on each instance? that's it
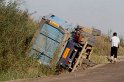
(115, 41)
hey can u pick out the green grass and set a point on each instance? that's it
(26, 68)
(16, 31)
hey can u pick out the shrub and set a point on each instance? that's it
(16, 31)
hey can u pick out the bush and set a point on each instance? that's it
(16, 31)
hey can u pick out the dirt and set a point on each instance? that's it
(110, 72)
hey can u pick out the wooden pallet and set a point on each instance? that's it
(80, 58)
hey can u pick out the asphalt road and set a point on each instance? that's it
(103, 73)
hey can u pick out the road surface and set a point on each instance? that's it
(105, 73)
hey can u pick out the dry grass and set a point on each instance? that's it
(102, 50)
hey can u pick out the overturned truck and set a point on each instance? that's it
(54, 45)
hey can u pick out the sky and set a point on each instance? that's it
(105, 15)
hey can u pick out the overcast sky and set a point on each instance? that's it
(101, 14)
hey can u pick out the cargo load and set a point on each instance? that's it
(54, 45)
(49, 39)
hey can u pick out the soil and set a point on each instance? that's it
(110, 72)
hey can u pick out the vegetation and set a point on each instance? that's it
(16, 31)
(102, 49)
